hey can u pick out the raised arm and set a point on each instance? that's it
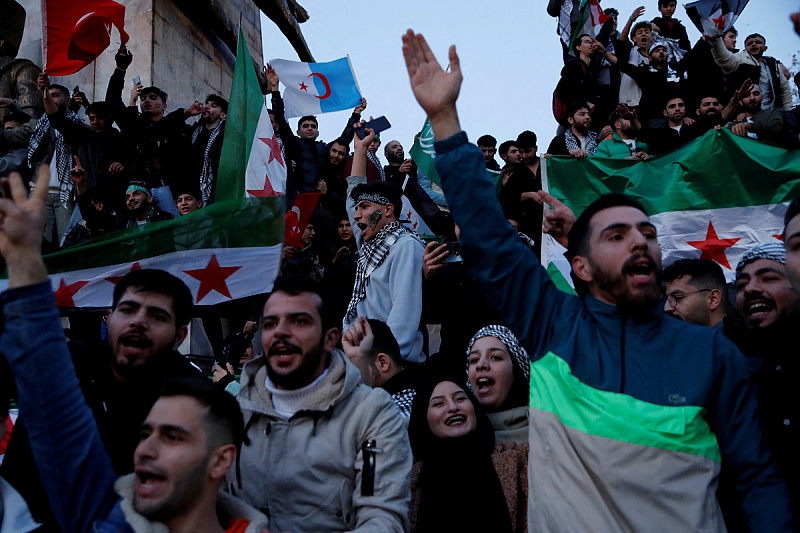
(73, 465)
(624, 35)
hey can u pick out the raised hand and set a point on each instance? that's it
(557, 221)
(21, 225)
(435, 90)
(272, 77)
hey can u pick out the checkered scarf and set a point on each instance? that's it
(518, 354)
(371, 255)
(575, 144)
(375, 161)
(206, 176)
(62, 153)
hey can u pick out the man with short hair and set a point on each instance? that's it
(186, 444)
(140, 207)
(207, 138)
(578, 141)
(332, 181)
(370, 345)
(623, 143)
(657, 81)
(488, 145)
(675, 133)
(762, 70)
(633, 47)
(608, 370)
(47, 146)
(757, 122)
(399, 168)
(509, 153)
(312, 426)
(696, 292)
(388, 283)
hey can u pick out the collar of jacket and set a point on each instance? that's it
(228, 507)
(341, 380)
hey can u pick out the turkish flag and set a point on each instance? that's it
(74, 33)
(297, 218)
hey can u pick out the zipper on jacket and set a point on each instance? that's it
(622, 354)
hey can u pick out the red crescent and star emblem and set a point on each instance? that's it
(325, 82)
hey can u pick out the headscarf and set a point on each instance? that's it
(455, 471)
(519, 393)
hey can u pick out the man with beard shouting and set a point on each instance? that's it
(121, 381)
(632, 414)
(322, 452)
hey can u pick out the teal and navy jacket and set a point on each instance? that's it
(631, 416)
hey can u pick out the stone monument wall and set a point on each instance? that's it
(169, 50)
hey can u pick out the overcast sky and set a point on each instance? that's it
(510, 56)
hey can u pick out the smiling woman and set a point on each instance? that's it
(453, 441)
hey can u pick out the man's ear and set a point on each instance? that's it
(180, 335)
(582, 268)
(664, 112)
(383, 362)
(330, 339)
(221, 461)
(388, 210)
(223, 115)
(713, 299)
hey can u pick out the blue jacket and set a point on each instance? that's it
(631, 416)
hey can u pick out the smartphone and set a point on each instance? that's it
(137, 79)
(379, 124)
(454, 255)
(76, 90)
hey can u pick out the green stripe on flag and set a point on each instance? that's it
(242, 223)
(579, 28)
(718, 170)
(244, 110)
(618, 416)
(559, 280)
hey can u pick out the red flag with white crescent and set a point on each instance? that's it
(297, 218)
(75, 32)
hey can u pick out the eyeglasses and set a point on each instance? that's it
(674, 297)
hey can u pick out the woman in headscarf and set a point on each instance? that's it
(461, 480)
(499, 375)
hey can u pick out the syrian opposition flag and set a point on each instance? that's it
(297, 217)
(703, 207)
(227, 250)
(75, 32)
(251, 163)
(714, 17)
(592, 19)
(313, 88)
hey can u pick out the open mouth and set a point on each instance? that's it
(135, 340)
(758, 308)
(455, 420)
(283, 351)
(483, 384)
(640, 270)
(148, 481)
(361, 226)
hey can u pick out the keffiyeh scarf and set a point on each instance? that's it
(206, 176)
(371, 255)
(574, 144)
(62, 153)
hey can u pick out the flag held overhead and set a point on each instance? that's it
(714, 17)
(313, 88)
(74, 33)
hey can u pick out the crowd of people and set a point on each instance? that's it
(387, 383)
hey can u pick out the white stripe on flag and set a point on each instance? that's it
(258, 267)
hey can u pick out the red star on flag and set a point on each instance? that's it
(303, 87)
(212, 278)
(719, 22)
(65, 292)
(115, 279)
(779, 237)
(266, 191)
(713, 247)
(274, 149)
